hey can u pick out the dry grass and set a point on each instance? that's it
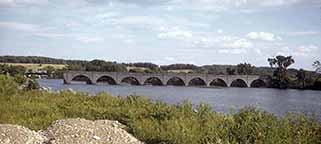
(35, 67)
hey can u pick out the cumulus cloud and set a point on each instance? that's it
(20, 26)
(139, 20)
(299, 51)
(231, 51)
(13, 3)
(265, 36)
(221, 5)
(174, 33)
(240, 43)
(306, 50)
(87, 39)
(303, 33)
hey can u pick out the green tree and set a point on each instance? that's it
(317, 66)
(230, 71)
(50, 70)
(317, 81)
(301, 77)
(244, 69)
(8, 86)
(280, 63)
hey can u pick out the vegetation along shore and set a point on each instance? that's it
(153, 121)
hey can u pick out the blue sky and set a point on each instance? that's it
(163, 31)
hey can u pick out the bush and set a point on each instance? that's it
(31, 84)
(8, 86)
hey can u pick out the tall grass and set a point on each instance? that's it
(157, 122)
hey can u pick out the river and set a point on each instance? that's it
(223, 100)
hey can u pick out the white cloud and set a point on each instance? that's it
(139, 20)
(307, 50)
(86, 39)
(20, 26)
(231, 51)
(14, 3)
(219, 31)
(107, 15)
(130, 41)
(174, 33)
(171, 59)
(303, 50)
(265, 36)
(6, 3)
(246, 3)
(240, 43)
(50, 35)
(303, 33)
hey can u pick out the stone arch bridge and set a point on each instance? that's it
(163, 78)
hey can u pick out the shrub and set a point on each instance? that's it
(7, 85)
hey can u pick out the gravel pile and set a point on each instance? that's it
(13, 134)
(70, 131)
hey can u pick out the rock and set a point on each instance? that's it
(96, 137)
(85, 131)
(13, 134)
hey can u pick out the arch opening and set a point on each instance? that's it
(176, 81)
(130, 80)
(81, 79)
(106, 80)
(197, 82)
(258, 83)
(238, 83)
(218, 82)
(153, 81)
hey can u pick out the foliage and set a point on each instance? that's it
(12, 70)
(317, 66)
(245, 69)
(280, 74)
(137, 70)
(230, 71)
(20, 79)
(31, 84)
(151, 66)
(8, 86)
(179, 67)
(155, 122)
(301, 76)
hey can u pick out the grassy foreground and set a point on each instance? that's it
(155, 122)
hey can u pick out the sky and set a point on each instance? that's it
(197, 32)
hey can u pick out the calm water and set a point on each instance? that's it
(221, 99)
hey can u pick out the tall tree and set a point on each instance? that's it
(317, 66)
(301, 76)
(244, 69)
(281, 63)
(230, 71)
(317, 82)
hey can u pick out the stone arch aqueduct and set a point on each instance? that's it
(163, 77)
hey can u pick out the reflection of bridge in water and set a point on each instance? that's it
(183, 79)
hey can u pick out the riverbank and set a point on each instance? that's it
(154, 121)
